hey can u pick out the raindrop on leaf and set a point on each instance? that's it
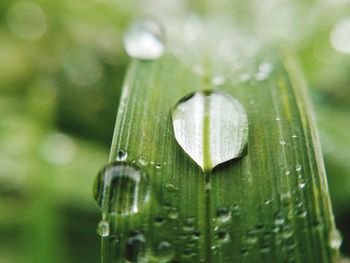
(211, 127)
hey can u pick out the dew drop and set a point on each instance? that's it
(335, 239)
(121, 155)
(211, 127)
(103, 228)
(121, 189)
(282, 142)
(144, 39)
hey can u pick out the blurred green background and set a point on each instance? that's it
(61, 70)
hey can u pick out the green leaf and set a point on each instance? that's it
(270, 205)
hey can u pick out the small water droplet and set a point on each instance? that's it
(121, 189)
(103, 228)
(135, 246)
(294, 136)
(302, 185)
(121, 155)
(143, 160)
(211, 127)
(298, 167)
(335, 239)
(282, 142)
(173, 213)
(171, 188)
(144, 39)
(223, 214)
(287, 172)
(158, 166)
(279, 219)
(222, 235)
(278, 118)
(163, 252)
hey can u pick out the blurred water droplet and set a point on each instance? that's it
(279, 219)
(287, 172)
(144, 39)
(121, 189)
(83, 67)
(223, 214)
(143, 160)
(211, 127)
(26, 20)
(121, 155)
(136, 246)
(335, 239)
(158, 166)
(58, 149)
(103, 228)
(171, 187)
(282, 142)
(264, 71)
(294, 136)
(222, 235)
(340, 36)
(163, 252)
(298, 167)
(218, 80)
(245, 77)
(159, 219)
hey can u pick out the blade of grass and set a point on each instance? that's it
(271, 205)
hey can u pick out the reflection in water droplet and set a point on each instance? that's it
(121, 155)
(103, 228)
(335, 239)
(340, 36)
(211, 127)
(144, 39)
(27, 20)
(121, 189)
(135, 247)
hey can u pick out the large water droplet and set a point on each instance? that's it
(121, 189)
(211, 127)
(144, 40)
